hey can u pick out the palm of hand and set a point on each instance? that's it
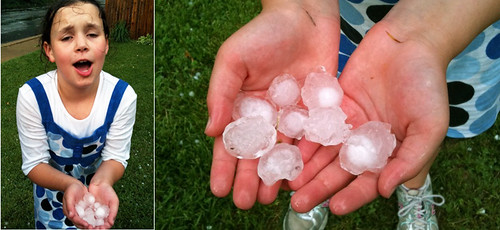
(106, 195)
(72, 195)
(275, 42)
(398, 83)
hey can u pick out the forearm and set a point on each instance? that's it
(49, 177)
(447, 26)
(109, 172)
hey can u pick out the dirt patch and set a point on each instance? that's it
(20, 47)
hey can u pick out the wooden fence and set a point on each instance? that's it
(138, 14)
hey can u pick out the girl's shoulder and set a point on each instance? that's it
(47, 80)
(109, 82)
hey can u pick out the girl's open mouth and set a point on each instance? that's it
(83, 67)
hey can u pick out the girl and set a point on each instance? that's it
(75, 123)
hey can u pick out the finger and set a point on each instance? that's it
(225, 83)
(267, 194)
(223, 169)
(113, 211)
(307, 148)
(330, 180)
(358, 193)
(246, 184)
(323, 157)
(69, 211)
(79, 222)
(411, 157)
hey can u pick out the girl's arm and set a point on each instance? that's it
(108, 173)
(101, 186)
(115, 155)
(48, 177)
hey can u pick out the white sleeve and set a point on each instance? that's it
(32, 135)
(119, 135)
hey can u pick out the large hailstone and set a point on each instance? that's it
(367, 148)
(249, 137)
(284, 161)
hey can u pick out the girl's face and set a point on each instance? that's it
(78, 45)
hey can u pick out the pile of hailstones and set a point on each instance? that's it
(253, 133)
(91, 211)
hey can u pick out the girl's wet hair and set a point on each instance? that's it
(52, 11)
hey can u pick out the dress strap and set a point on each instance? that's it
(114, 102)
(42, 100)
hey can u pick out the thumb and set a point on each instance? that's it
(225, 83)
(411, 157)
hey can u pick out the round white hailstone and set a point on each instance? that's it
(250, 106)
(99, 222)
(91, 211)
(284, 90)
(367, 148)
(326, 126)
(328, 97)
(88, 216)
(321, 90)
(101, 212)
(249, 137)
(80, 210)
(284, 161)
(89, 198)
(291, 121)
(360, 155)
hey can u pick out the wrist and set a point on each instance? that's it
(73, 182)
(323, 8)
(108, 173)
(445, 26)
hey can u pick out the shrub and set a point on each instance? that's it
(120, 33)
(145, 40)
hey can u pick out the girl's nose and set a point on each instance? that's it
(81, 44)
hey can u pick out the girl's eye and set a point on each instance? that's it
(93, 35)
(67, 38)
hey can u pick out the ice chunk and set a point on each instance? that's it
(99, 222)
(326, 126)
(101, 212)
(89, 198)
(249, 137)
(80, 209)
(284, 161)
(250, 106)
(291, 121)
(284, 90)
(321, 90)
(91, 211)
(367, 148)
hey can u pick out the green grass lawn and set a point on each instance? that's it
(188, 35)
(129, 61)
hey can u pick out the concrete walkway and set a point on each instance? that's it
(20, 47)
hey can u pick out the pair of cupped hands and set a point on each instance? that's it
(400, 81)
(103, 193)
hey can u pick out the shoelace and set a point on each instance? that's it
(416, 205)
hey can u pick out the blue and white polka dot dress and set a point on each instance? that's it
(473, 76)
(77, 157)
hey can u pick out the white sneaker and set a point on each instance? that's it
(417, 207)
